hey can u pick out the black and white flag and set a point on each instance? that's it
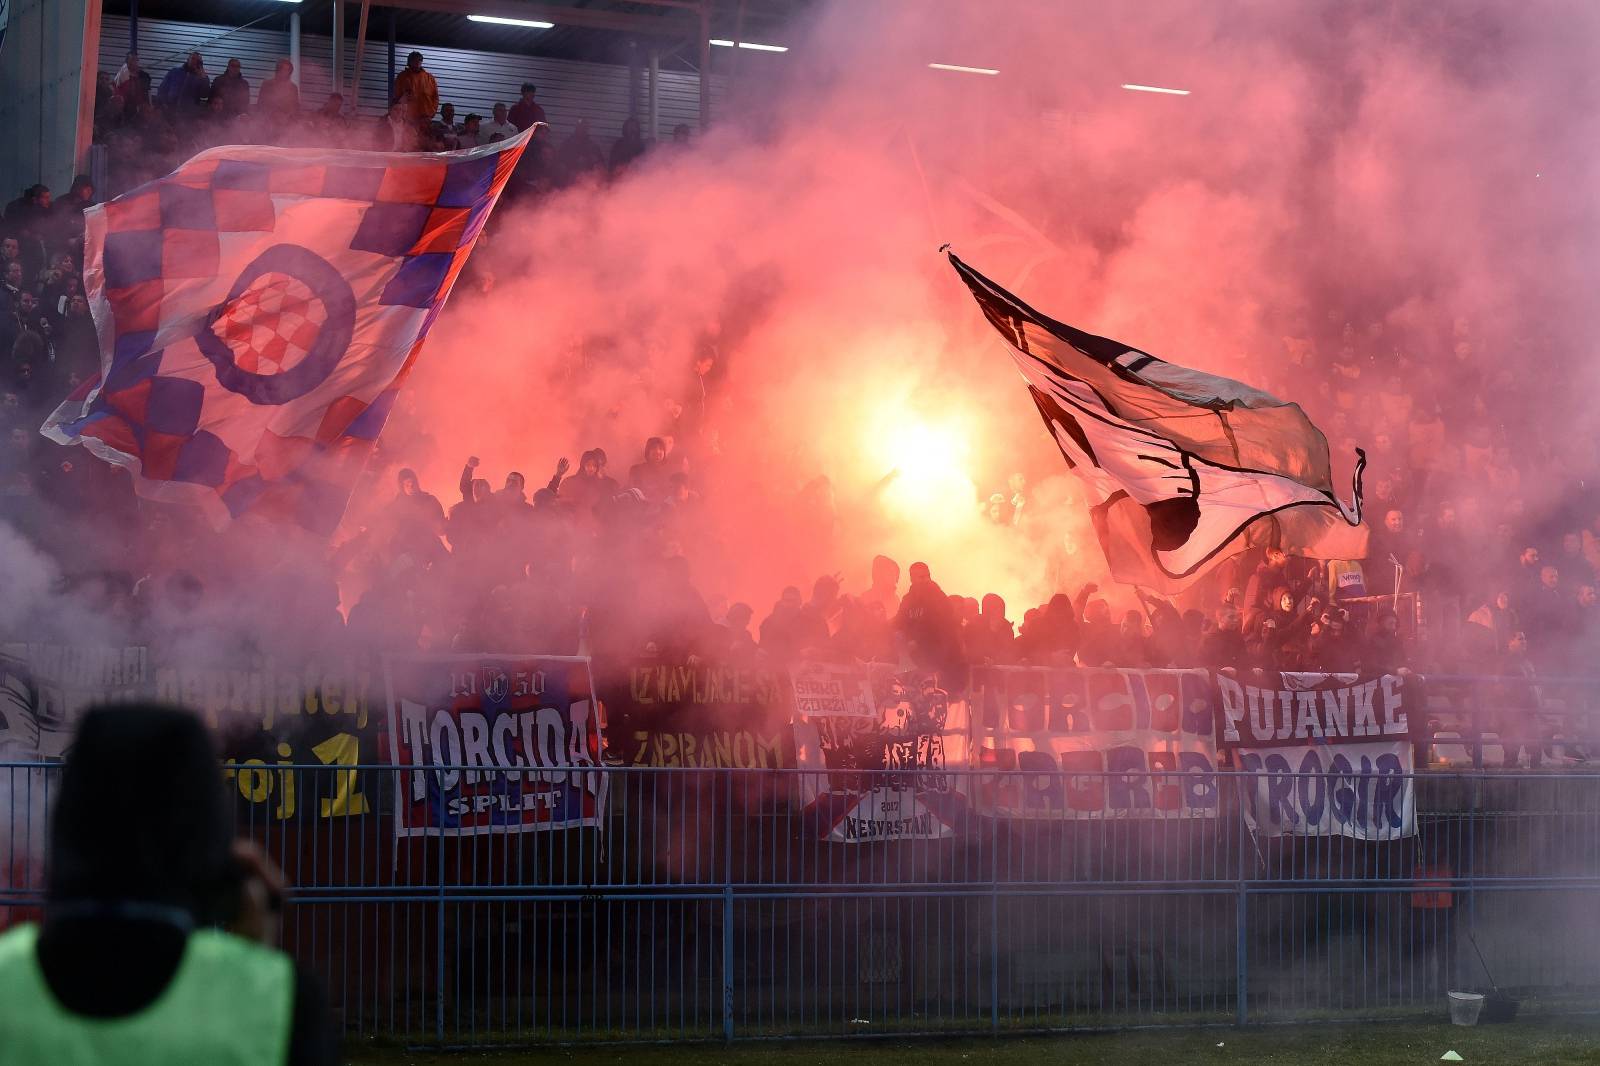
(1185, 469)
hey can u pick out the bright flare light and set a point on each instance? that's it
(928, 461)
(720, 43)
(962, 70)
(1156, 89)
(499, 21)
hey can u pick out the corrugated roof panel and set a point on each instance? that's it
(473, 81)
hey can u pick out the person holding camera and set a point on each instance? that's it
(158, 925)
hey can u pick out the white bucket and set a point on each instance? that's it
(1464, 1008)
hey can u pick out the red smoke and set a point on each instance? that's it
(1365, 162)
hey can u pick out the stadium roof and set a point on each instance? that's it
(595, 30)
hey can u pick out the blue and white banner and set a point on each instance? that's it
(1327, 754)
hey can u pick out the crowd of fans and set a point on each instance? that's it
(1462, 575)
(149, 127)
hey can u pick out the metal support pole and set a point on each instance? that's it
(133, 25)
(1241, 952)
(654, 94)
(338, 46)
(294, 45)
(705, 67)
(389, 92)
(361, 47)
(633, 78)
(727, 908)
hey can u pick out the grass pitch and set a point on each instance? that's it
(1546, 1042)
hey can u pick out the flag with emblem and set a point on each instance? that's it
(258, 310)
(1183, 468)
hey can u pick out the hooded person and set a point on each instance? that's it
(154, 944)
(927, 623)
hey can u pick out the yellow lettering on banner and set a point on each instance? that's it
(216, 698)
(332, 689)
(255, 783)
(719, 754)
(669, 749)
(640, 755)
(773, 747)
(342, 749)
(639, 684)
(289, 703)
(286, 798)
(363, 683)
(744, 750)
(309, 688)
(688, 743)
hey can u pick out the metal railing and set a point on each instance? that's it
(724, 904)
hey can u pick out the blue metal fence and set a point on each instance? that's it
(711, 906)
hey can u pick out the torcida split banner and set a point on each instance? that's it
(494, 743)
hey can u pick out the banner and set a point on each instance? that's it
(706, 715)
(889, 813)
(45, 688)
(881, 776)
(1329, 754)
(497, 743)
(1095, 743)
(832, 689)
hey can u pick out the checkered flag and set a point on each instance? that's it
(258, 310)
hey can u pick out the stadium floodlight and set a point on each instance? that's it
(1155, 89)
(720, 43)
(498, 20)
(959, 69)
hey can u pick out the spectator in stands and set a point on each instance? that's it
(183, 91)
(780, 629)
(127, 966)
(734, 639)
(329, 119)
(417, 91)
(813, 626)
(526, 111)
(1099, 642)
(628, 147)
(279, 95)
(681, 137)
(231, 88)
(992, 639)
(651, 475)
(447, 130)
(128, 72)
(1224, 646)
(927, 625)
(131, 87)
(1386, 651)
(579, 155)
(884, 590)
(500, 126)
(471, 132)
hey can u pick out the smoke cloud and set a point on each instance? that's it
(1414, 173)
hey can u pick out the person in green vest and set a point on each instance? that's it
(155, 943)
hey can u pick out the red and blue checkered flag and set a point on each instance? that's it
(258, 310)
